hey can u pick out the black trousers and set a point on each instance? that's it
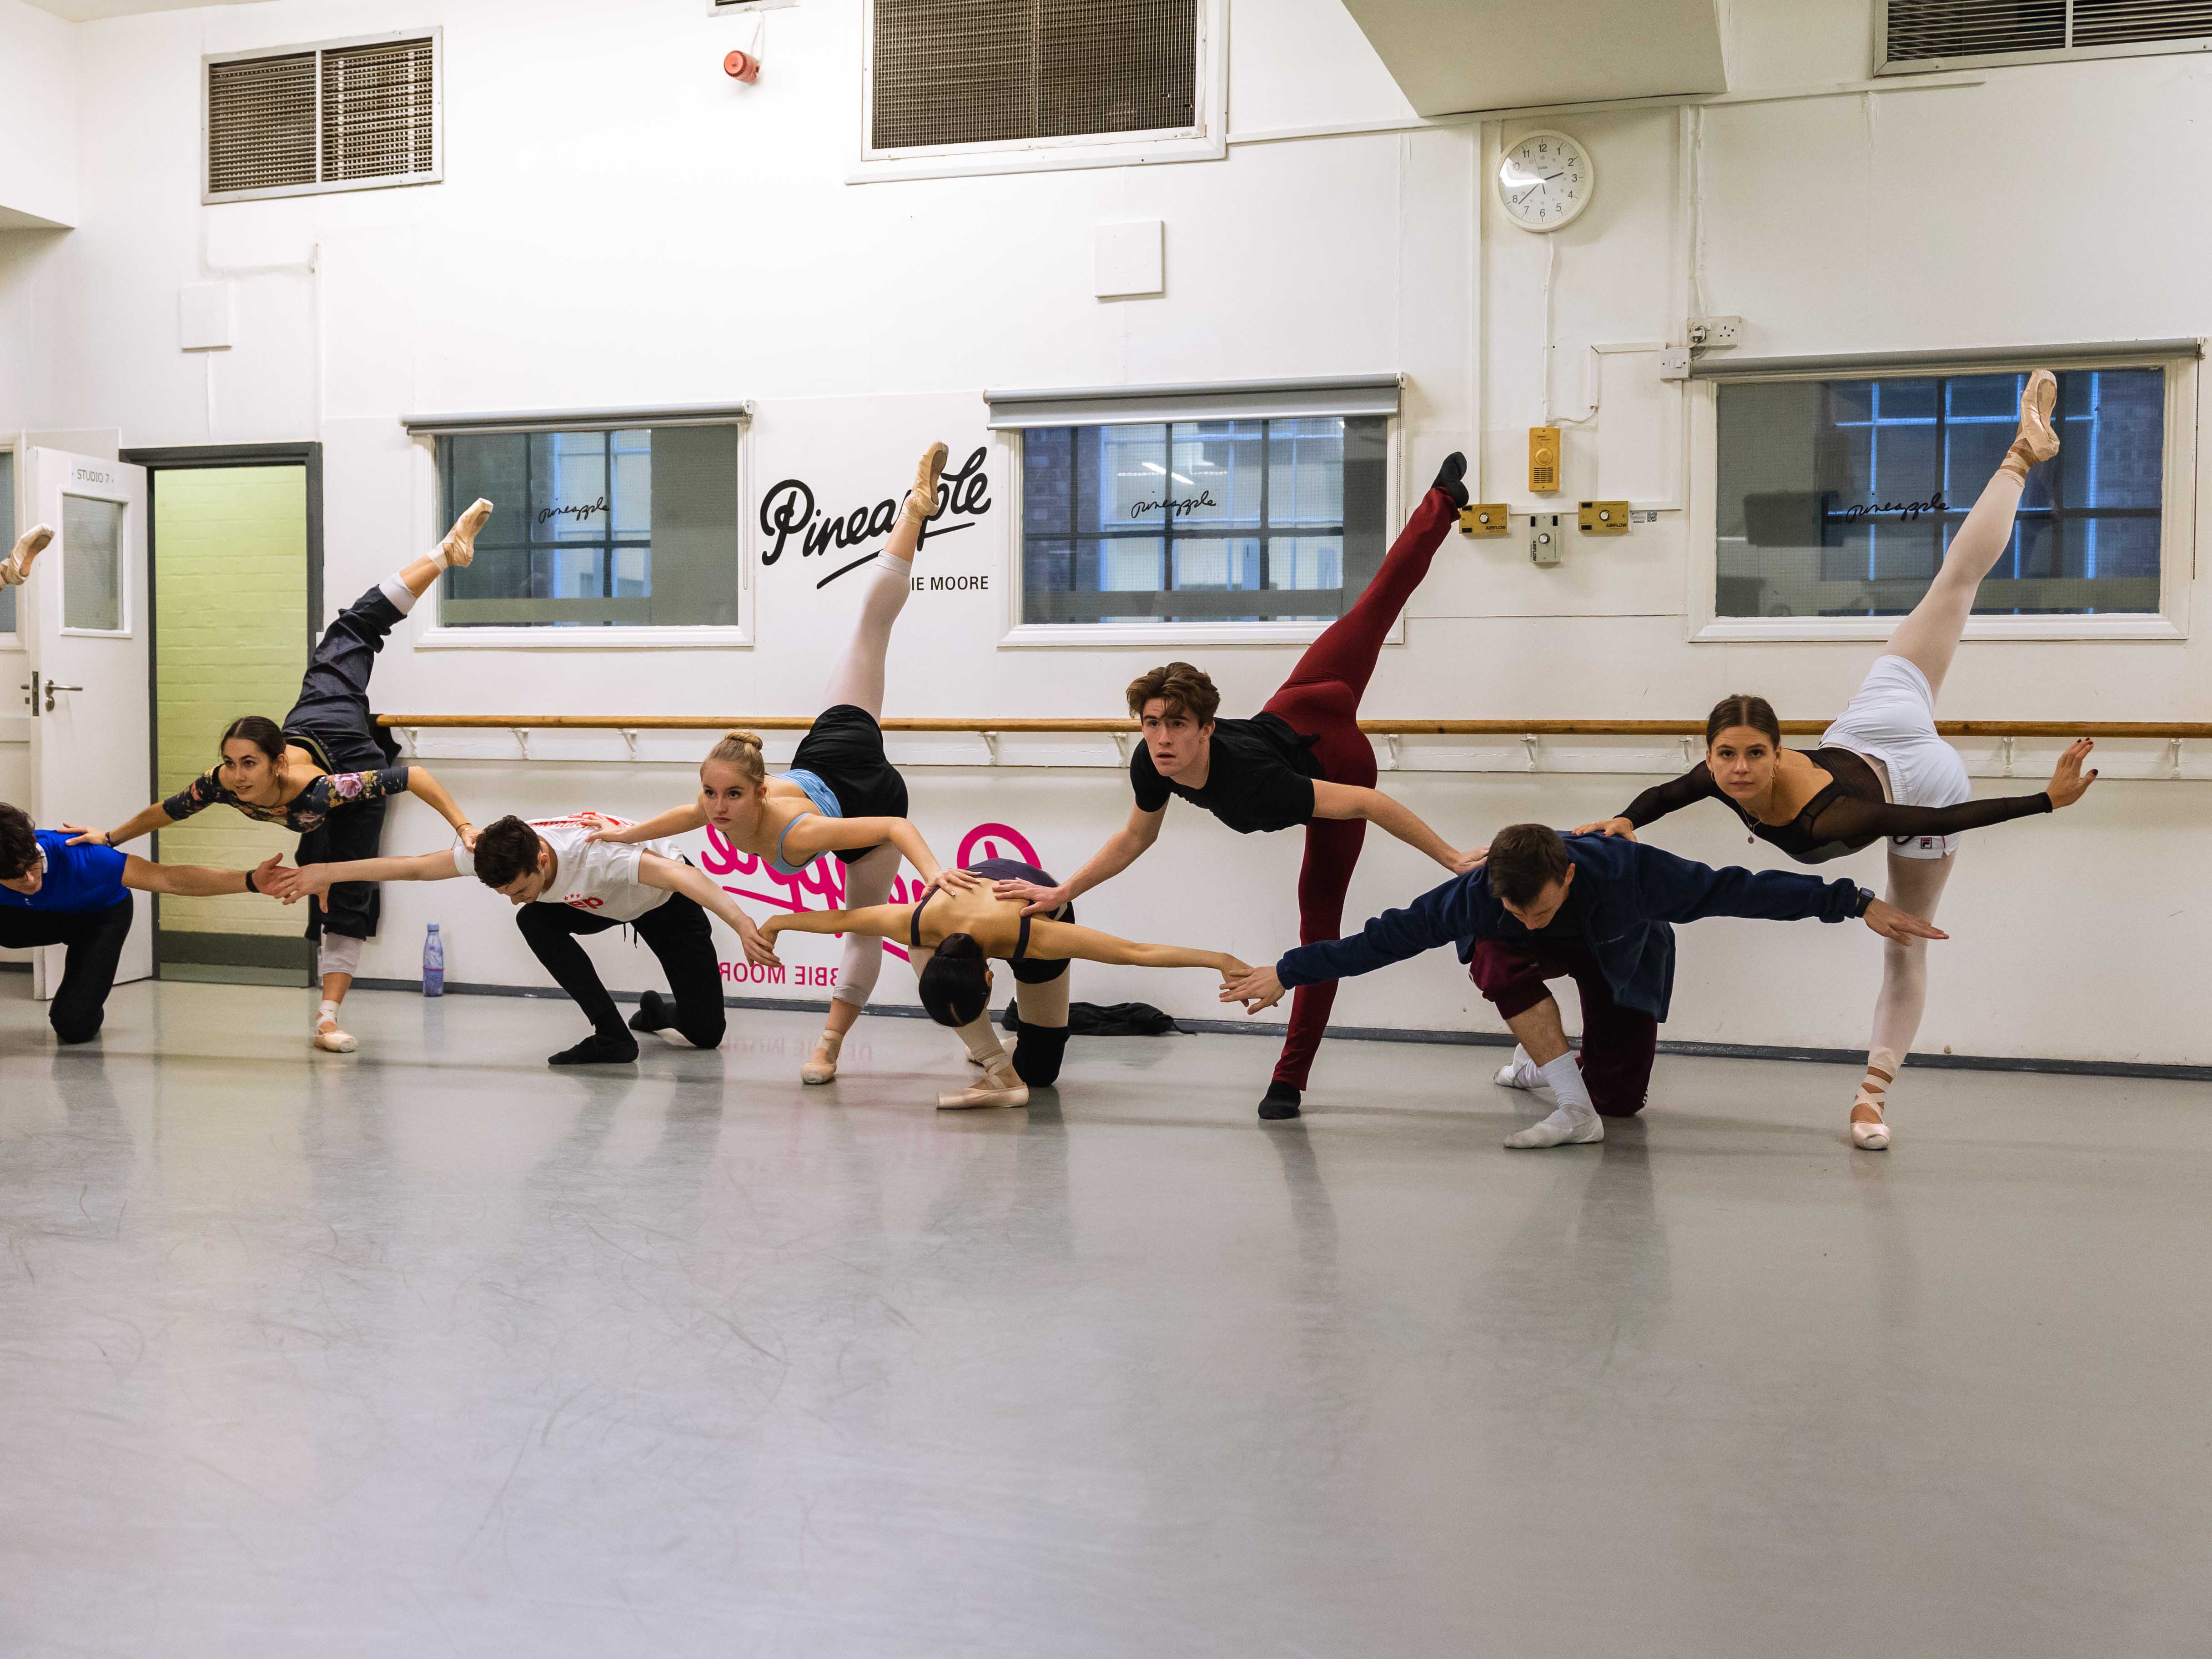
(678, 933)
(333, 717)
(94, 940)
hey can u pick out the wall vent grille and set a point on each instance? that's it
(345, 115)
(1000, 71)
(1925, 33)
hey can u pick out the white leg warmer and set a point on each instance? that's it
(1915, 885)
(859, 676)
(341, 955)
(402, 597)
(868, 881)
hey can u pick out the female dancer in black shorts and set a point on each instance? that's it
(949, 934)
(1881, 770)
(841, 795)
(328, 771)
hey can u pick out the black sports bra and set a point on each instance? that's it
(914, 929)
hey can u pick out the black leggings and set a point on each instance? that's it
(677, 931)
(95, 939)
(333, 719)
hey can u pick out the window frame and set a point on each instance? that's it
(1205, 140)
(1019, 634)
(13, 640)
(435, 33)
(2177, 552)
(2181, 46)
(423, 432)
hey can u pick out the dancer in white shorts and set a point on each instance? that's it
(1881, 770)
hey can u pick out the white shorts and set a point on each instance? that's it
(1892, 720)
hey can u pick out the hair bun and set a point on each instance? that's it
(753, 738)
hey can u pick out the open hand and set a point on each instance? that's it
(1620, 827)
(956, 881)
(308, 881)
(2069, 783)
(81, 836)
(602, 826)
(1470, 860)
(1256, 988)
(1902, 926)
(1035, 899)
(269, 875)
(760, 947)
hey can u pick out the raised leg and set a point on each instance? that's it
(1915, 885)
(1929, 638)
(15, 569)
(858, 677)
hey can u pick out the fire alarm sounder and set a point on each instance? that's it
(1485, 519)
(742, 66)
(1543, 460)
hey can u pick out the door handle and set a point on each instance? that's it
(52, 688)
(32, 687)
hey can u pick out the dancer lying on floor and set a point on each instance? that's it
(841, 794)
(949, 936)
(563, 883)
(1302, 760)
(54, 892)
(1593, 910)
(328, 772)
(1881, 770)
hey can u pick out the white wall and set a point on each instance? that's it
(38, 119)
(623, 225)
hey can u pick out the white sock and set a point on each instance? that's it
(402, 598)
(1519, 1071)
(1576, 1121)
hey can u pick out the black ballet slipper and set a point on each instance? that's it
(600, 1048)
(1281, 1102)
(1451, 479)
(653, 1013)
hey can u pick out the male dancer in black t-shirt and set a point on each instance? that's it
(1303, 759)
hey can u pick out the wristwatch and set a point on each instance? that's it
(1865, 904)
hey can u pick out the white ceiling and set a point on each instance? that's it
(1450, 56)
(85, 11)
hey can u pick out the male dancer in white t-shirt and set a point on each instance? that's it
(562, 885)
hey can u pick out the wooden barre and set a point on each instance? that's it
(2161, 730)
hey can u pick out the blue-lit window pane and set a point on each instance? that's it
(1183, 521)
(1840, 498)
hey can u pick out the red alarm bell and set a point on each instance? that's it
(742, 66)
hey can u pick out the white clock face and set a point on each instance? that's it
(1545, 181)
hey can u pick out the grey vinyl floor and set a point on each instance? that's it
(428, 1350)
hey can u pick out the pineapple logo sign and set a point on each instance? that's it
(824, 879)
(788, 510)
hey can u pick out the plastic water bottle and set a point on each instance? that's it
(434, 963)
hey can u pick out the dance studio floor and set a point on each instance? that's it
(432, 1350)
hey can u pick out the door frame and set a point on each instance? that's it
(200, 457)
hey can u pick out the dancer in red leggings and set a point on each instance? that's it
(1302, 760)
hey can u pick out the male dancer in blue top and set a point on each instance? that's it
(1545, 907)
(53, 893)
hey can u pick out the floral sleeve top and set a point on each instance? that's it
(331, 792)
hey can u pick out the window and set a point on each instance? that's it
(92, 565)
(1838, 497)
(7, 534)
(1226, 520)
(1922, 35)
(348, 115)
(595, 527)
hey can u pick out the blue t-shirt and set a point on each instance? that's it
(79, 879)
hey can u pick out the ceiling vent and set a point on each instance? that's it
(1919, 35)
(343, 115)
(953, 72)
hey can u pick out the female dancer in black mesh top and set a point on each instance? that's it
(1881, 770)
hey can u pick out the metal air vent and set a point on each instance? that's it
(341, 115)
(947, 72)
(1921, 34)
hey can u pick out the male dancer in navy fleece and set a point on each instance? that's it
(53, 893)
(1593, 908)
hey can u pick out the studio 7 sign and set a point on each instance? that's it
(788, 512)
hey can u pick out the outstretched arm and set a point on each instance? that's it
(813, 835)
(1681, 889)
(673, 876)
(1050, 939)
(870, 920)
(676, 821)
(1123, 849)
(1343, 801)
(314, 880)
(1695, 785)
(198, 880)
(146, 823)
(434, 794)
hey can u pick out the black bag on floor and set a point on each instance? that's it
(1114, 1019)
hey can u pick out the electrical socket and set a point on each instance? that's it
(1716, 333)
(1674, 363)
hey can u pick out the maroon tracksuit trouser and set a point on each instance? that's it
(1618, 1044)
(1320, 700)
